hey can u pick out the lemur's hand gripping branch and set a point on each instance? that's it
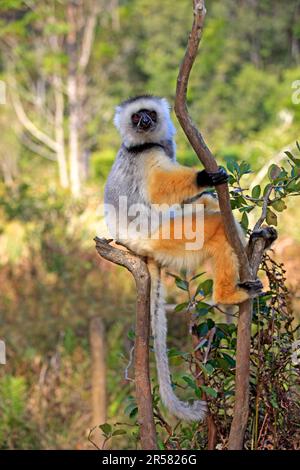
(205, 178)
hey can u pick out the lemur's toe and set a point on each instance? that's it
(252, 287)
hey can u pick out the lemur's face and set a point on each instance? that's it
(144, 120)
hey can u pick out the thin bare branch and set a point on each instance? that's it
(88, 38)
(264, 208)
(29, 125)
(38, 149)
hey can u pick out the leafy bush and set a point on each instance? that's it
(16, 429)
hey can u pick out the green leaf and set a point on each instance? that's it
(208, 369)
(246, 209)
(202, 329)
(279, 205)
(196, 276)
(119, 432)
(256, 191)
(245, 221)
(173, 352)
(181, 307)
(203, 305)
(231, 165)
(209, 391)
(273, 172)
(106, 428)
(201, 312)
(271, 218)
(205, 287)
(222, 364)
(291, 156)
(190, 382)
(229, 359)
(273, 400)
(245, 168)
(202, 308)
(160, 443)
(225, 328)
(131, 409)
(266, 189)
(133, 413)
(131, 335)
(182, 284)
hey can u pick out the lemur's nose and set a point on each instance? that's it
(145, 122)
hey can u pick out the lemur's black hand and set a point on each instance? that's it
(220, 177)
(205, 178)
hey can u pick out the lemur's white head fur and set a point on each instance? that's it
(163, 129)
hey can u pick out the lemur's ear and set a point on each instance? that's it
(117, 117)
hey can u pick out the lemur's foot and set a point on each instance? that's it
(269, 234)
(205, 178)
(253, 288)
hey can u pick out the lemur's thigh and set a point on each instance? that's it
(182, 252)
(181, 242)
(226, 269)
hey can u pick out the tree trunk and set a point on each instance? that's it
(59, 133)
(72, 91)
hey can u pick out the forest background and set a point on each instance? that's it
(64, 66)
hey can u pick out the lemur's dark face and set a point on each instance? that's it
(145, 120)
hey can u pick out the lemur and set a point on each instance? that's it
(147, 174)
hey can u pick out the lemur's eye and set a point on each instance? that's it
(153, 115)
(135, 118)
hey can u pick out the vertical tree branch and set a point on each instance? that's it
(138, 268)
(195, 138)
(59, 131)
(72, 91)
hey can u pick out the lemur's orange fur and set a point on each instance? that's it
(171, 184)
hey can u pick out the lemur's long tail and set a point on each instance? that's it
(185, 411)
